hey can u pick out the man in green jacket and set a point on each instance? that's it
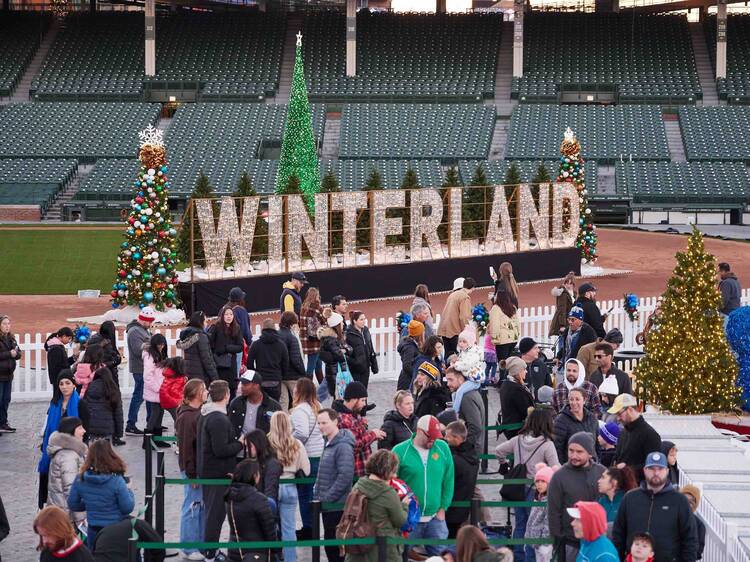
(426, 465)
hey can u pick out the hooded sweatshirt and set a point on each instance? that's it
(290, 300)
(216, 446)
(595, 546)
(730, 293)
(432, 483)
(569, 485)
(590, 391)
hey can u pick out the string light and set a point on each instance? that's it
(425, 225)
(301, 227)
(531, 217)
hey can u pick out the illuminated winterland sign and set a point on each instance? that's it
(289, 224)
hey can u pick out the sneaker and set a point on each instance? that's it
(133, 430)
(193, 556)
(118, 442)
(162, 444)
(221, 557)
(5, 428)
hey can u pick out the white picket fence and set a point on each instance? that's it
(31, 382)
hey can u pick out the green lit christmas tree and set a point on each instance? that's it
(146, 274)
(299, 155)
(572, 171)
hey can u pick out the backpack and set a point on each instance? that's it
(517, 492)
(355, 524)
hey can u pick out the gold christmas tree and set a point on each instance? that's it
(689, 368)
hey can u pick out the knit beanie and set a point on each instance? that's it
(447, 416)
(544, 394)
(470, 335)
(582, 438)
(544, 472)
(514, 366)
(610, 432)
(416, 328)
(614, 336)
(526, 345)
(355, 389)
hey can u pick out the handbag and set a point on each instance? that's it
(517, 492)
(224, 360)
(343, 378)
(313, 324)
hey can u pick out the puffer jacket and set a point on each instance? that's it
(566, 425)
(269, 356)
(104, 419)
(333, 353)
(503, 329)
(105, 498)
(153, 376)
(409, 351)
(537, 526)
(250, 519)
(57, 358)
(296, 369)
(66, 455)
(336, 469)
(431, 400)
(397, 429)
(171, 390)
(196, 351)
(360, 360)
(8, 363)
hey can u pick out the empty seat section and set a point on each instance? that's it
(20, 34)
(354, 174)
(716, 133)
(495, 170)
(736, 86)
(33, 181)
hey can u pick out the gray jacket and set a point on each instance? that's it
(473, 415)
(336, 469)
(66, 455)
(137, 335)
(731, 292)
(569, 485)
(528, 450)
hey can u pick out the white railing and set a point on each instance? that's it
(31, 383)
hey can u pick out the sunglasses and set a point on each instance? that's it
(600, 356)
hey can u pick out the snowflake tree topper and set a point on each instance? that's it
(151, 136)
(570, 136)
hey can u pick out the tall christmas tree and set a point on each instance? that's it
(688, 367)
(146, 274)
(299, 155)
(572, 171)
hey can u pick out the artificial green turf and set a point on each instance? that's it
(57, 262)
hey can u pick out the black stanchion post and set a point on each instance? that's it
(149, 478)
(382, 546)
(474, 515)
(132, 548)
(160, 492)
(315, 509)
(485, 446)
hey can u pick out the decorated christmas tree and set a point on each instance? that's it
(688, 367)
(146, 274)
(299, 155)
(572, 171)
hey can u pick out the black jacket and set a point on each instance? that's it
(636, 441)
(623, 381)
(515, 401)
(700, 528)
(409, 351)
(592, 315)
(104, 419)
(537, 376)
(196, 351)
(57, 360)
(8, 363)
(466, 468)
(111, 543)
(296, 369)
(431, 401)
(216, 445)
(269, 356)
(248, 509)
(566, 425)
(397, 429)
(222, 344)
(333, 352)
(666, 516)
(361, 355)
(674, 469)
(237, 408)
(587, 335)
(112, 357)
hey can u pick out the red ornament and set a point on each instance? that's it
(122, 273)
(113, 294)
(139, 199)
(131, 220)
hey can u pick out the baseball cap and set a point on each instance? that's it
(574, 512)
(299, 276)
(585, 288)
(621, 402)
(576, 312)
(431, 426)
(251, 376)
(657, 458)
(458, 283)
(237, 294)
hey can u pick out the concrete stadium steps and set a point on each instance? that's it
(54, 212)
(21, 93)
(499, 139)
(504, 72)
(294, 25)
(706, 72)
(674, 140)
(331, 136)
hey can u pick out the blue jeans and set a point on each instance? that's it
(523, 553)
(490, 370)
(136, 400)
(191, 516)
(305, 493)
(432, 529)
(6, 387)
(287, 511)
(313, 363)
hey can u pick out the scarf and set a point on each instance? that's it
(54, 415)
(466, 386)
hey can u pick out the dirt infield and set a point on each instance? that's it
(650, 257)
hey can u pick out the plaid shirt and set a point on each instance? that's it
(363, 439)
(310, 317)
(590, 392)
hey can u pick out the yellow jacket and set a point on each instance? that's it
(502, 329)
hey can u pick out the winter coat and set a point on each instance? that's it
(592, 315)
(515, 400)
(111, 543)
(57, 358)
(537, 376)
(563, 304)
(104, 419)
(269, 357)
(433, 488)
(196, 351)
(386, 513)
(665, 515)
(473, 414)
(226, 344)
(569, 485)
(76, 552)
(529, 450)
(238, 408)
(296, 369)
(305, 429)
(250, 519)
(310, 321)
(333, 352)
(172, 389)
(243, 319)
(586, 356)
(336, 469)
(290, 300)
(363, 437)
(136, 335)
(112, 357)
(503, 329)
(186, 429)
(361, 357)
(397, 429)
(8, 363)
(599, 550)
(105, 498)
(624, 383)
(586, 335)
(674, 469)
(456, 314)
(409, 351)
(636, 441)
(537, 525)
(152, 377)
(66, 459)
(217, 447)
(731, 292)
(269, 478)
(432, 400)
(465, 471)
(566, 425)
(611, 507)
(700, 528)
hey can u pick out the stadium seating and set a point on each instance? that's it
(407, 56)
(20, 33)
(606, 133)
(33, 181)
(716, 133)
(353, 174)
(495, 171)
(685, 182)
(94, 57)
(416, 131)
(644, 58)
(82, 130)
(736, 86)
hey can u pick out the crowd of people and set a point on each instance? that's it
(252, 411)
